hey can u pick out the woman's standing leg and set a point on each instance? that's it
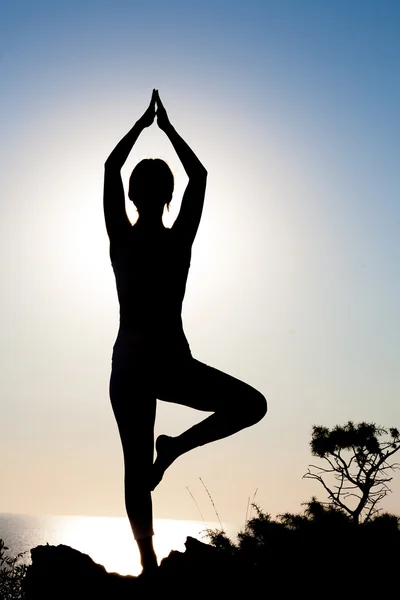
(235, 405)
(134, 408)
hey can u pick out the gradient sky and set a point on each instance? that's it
(294, 285)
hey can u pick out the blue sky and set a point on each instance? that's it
(294, 285)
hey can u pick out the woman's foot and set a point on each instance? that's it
(148, 557)
(166, 454)
(149, 572)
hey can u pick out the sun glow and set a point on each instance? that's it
(109, 541)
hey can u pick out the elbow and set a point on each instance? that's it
(111, 164)
(197, 171)
(201, 173)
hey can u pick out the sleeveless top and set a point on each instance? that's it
(151, 271)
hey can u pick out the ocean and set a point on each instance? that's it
(107, 540)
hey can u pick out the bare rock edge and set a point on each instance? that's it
(59, 572)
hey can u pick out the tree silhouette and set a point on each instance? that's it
(358, 472)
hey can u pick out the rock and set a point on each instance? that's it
(59, 572)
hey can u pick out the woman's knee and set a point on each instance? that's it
(256, 405)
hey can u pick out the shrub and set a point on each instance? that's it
(12, 573)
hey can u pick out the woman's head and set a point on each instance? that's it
(151, 185)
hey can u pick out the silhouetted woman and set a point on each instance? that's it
(151, 356)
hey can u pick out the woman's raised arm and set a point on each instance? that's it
(114, 198)
(193, 198)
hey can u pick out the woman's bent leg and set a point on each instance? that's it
(134, 408)
(235, 406)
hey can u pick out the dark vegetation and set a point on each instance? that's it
(12, 573)
(356, 472)
(346, 540)
(343, 546)
(321, 543)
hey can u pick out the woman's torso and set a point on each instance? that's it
(151, 270)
